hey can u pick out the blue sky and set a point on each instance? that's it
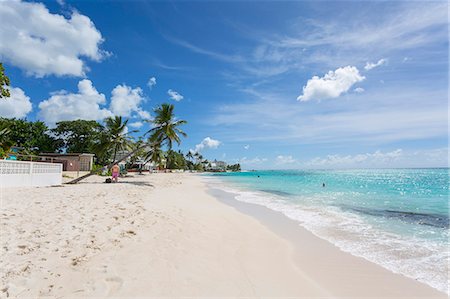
(270, 84)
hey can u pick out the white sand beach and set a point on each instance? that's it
(164, 235)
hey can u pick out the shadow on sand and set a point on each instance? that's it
(139, 183)
(123, 181)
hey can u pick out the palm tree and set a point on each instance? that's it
(189, 156)
(114, 137)
(156, 154)
(165, 131)
(166, 127)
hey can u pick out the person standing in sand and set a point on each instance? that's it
(115, 170)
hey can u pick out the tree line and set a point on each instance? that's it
(108, 141)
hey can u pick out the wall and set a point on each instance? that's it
(26, 174)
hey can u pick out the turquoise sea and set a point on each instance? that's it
(398, 218)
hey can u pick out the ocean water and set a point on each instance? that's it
(397, 218)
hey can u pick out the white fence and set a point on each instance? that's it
(22, 173)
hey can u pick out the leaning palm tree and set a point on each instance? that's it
(165, 131)
(166, 127)
(114, 138)
(155, 155)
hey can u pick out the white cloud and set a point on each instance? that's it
(144, 114)
(71, 106)
(126, 100)
(396, 158)
(151, 82)
(206, 143)
(371, 65)
(175, 95)
(378, 159)
(254, 161)
(349, 160)
(285, 159)
(359, 90)
(332, 85)
(137, 124)
(42, 43)
(17, 105)
(247, 146)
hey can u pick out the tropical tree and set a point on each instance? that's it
(4, 82)
(5, 141)
(175, 160)
(165, 131)
(155, 154)
(189, 156)
(34, 137)
(166, 127)
(140, 153)
(113, 138)
(78, 136)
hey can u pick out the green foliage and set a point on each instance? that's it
(156, 155)
(234, 167)
(5, 141)
(78, 136)
(140, 151)
(166, 128)
(4, 82)
(34, 137)
(175, 160)
(111, 139)
(199, 167)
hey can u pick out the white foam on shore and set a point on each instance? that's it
(419, 259)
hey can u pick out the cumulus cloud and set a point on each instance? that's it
(205, 144)
(71, 106)
(151, 82)
(42, 43)
(126, 100)
(368, 159)
(137, 124)
(144, 114)
(175, 95)
(247, 146)
(17, 105)
(371, 65)
(332, 85)
(253, 161)
(285, 159)
(359, 90)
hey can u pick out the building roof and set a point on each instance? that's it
(66, 155)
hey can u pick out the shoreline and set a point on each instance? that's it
(351, 284)
(165, 235)
(418, 260)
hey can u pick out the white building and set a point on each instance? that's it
(218, 165)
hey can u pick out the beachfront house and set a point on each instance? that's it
(70, 161)
(217, 166)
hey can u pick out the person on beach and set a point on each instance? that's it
(115, 170)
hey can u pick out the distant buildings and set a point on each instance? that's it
(217, 166)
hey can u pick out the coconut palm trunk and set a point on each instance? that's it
(109, 166)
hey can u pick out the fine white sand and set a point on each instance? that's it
(163, 235)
